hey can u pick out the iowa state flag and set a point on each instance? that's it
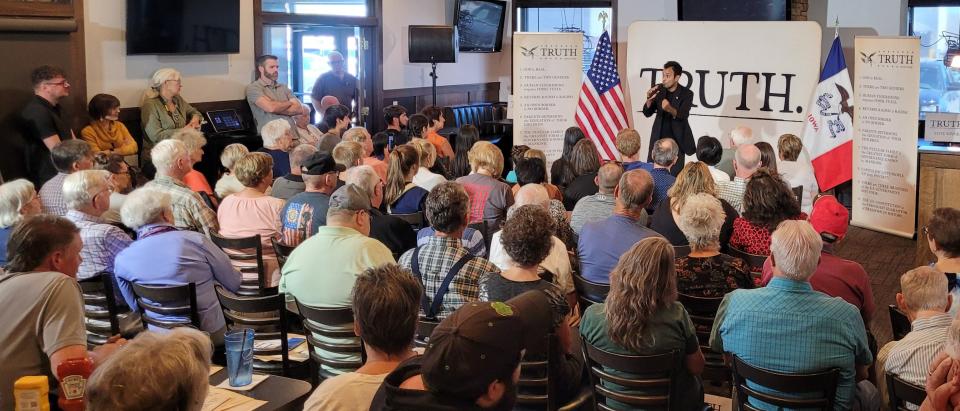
(828, 132)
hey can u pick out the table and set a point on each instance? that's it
(280, 393)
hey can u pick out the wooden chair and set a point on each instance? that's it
(899, 323)
(798, 192)
(414, 219)
(100, 303)
(281, 250)
(235, 248)
(329, 323)
(681, 251)
(901, 393)
(755, 261)
(425, 327)
(703, 312)
(537, 387)
(589, 292)
(267, 316)
(173, 300)
(653, 373)
(823, 383)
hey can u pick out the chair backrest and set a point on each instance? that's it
(900, 393)
(100, 303)
(681, 251)
(536, 387)
(899, 323)
(330, 323)
(425, 327)
(589, 292)
(265, 314)
(414, 219)
(755, 261)
(822, 383)
(702, 312)
(239, 249)
(653, 374)
(484, 230)
(281, 250)
(170, 300)
(798, 192)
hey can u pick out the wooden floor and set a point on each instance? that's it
(885, 257)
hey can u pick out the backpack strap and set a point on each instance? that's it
(415, 267)
(445, 285)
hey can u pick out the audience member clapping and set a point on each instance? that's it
(694, 179)
(706, 272)
(68, 157)
(172, 161)
(767, 202)
(18, 200)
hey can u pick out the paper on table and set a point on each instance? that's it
(219, 399)
(256, 379)
(298, 354)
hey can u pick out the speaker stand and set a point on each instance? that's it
(433, 75)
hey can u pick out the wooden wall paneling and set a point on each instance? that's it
(939, 179)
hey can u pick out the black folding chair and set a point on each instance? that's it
(703, 312)
(414, 219)
(425, 327)
(100, 303)
(537, 387)
(281, 250)
(823, 384)
(589, 292)
(755, 261)
(238, 249)
(330, 323)
(172, 300)
(902, 394)
(899, 323)
(652, 374)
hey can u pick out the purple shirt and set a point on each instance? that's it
(603, 242)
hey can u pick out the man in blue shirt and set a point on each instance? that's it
(602, 242)
(664, 155)
(788, 327)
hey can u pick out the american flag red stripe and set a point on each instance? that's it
(601, 113)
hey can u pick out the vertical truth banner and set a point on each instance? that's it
(547, 74)
(887, 84)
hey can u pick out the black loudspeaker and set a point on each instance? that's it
(433, 44)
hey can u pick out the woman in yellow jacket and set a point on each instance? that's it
(106, 133)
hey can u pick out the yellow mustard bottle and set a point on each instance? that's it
(31, 393)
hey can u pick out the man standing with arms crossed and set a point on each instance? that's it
(269, 99)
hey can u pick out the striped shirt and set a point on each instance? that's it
(909, 358)
(189, 211)
(51, 195)
(435, 260)
(732, 191)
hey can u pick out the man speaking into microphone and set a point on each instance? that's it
(671, 102)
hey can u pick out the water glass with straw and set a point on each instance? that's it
(239, 345)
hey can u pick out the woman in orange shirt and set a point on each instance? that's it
(106, 133)
(435, 121)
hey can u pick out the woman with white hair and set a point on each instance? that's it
(18, 199)
(179, 358)
(228, 183)
(163, 111)
(277, 142)
(165, 255)
(194, 140)
(705, 272)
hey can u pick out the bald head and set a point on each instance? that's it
(535, 194)
(747, 160)
(608, 177)
(327, 101)
(635, 190)
(742, 135)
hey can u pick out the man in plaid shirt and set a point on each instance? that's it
(172, 160)
(443, 260)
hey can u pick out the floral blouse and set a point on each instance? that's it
(712, 276)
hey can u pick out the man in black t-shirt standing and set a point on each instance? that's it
(671, 102)
(44, 123)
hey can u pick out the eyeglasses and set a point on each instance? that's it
(63, 83)
(178, 81)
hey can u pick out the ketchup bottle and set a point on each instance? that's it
(73, 375)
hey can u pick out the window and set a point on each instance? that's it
(353, 8)
(584, 20)
(937, 27)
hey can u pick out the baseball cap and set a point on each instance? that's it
(349, 197)
(320, 163)
(483, 341)
(829, 216)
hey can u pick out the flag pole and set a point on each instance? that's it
(603, 16)
(836, 26)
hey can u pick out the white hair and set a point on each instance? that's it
(273, 131)
(701, 219)
(741, 135)
(191, 137)
(166, 153)
(665, 151)
(795, 247)
(924, 288)
(156, 81)
(13, 196)
(299, 154)
(144, 206)
(364, 177)
(535, 194)
(80, 187)
(748, 157)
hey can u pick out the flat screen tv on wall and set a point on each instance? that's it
(183, 26)
(480, 24)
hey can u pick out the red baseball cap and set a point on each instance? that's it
(829, 216)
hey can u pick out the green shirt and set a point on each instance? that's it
(159, 124)
(670, 328)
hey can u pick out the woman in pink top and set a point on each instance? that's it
(251, 212)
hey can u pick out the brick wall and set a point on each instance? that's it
(798, 10)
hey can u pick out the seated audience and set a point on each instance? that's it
(18, 200)
(87, 194)
(120, 176)
(692, 180)
(106, 133)
(348, 154)
(361, 136)
(705, 272)
(628, 144)
(466, 137)
(277, 142)
(664, 156)
(641, 316)
(469, 365)
(745, 163)
(534, 170)
(194, 179)
(472, 239)
(321, 109)
(285, 187)
(69, 157)
(768, 158)
(164, 255)
(561, 171)
(602, 242)
(44, 122)
(180, 358)
(228, 183)
(386, 304)
(342, 250)
(428, 158)
(337, 120)
(163, 110)
(780, 315)
(269, 99)
(797, 173)
(252, 212)
(417, 127)
(767, 201)
(303, 214)
(434, 115)
(443, 256)
(395, 117)
(835, 276)
(47, 326)
(739, 137)
(599, 206)
(401, 194)
(393, 232)
(924, 298)
(380, 148)
(585, 162)
(517, 154)
(172, 161)
(489, 197)
(709, 152)
(307, 133)
(943, 237)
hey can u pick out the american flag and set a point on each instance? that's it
(600, 112)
